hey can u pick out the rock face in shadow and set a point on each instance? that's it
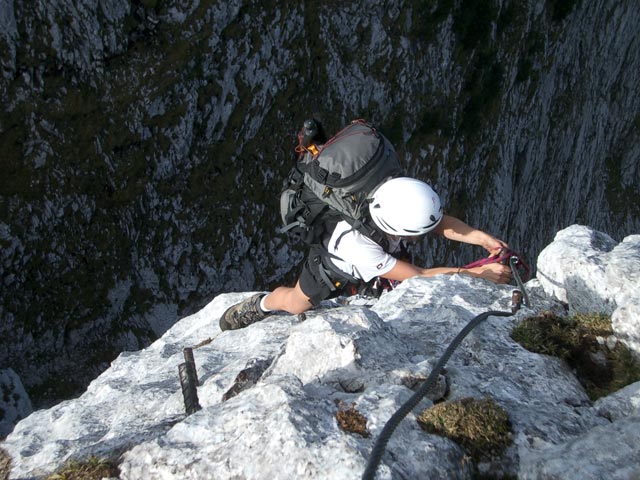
(144, 144)
(270, 393)
(14, 403)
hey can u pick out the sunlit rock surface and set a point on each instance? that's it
(270, 393)
(144, 145)
(591, 272)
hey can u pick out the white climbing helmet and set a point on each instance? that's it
(405, 206)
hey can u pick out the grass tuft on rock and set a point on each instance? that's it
(481, 427)
(5, 464)
(587, 343)
(94, 468)
(352, 421)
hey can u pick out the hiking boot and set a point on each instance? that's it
(243, 314)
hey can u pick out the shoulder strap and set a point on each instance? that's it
(372, 233)
(367, 228)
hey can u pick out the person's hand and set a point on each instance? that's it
(495, 272)
(493, 245)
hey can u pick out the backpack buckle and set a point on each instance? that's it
(295, 178)
(321, 174)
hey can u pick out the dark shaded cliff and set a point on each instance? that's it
(144, 144)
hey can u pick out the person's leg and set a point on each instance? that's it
(292, 300)
(243, 314)
(309, 291)
(249, 311)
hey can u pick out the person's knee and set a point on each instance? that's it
(291, 300)
(298, 301)
(300, 307)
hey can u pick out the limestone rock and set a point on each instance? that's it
(14, 401)
(592, 273)
(270, 393)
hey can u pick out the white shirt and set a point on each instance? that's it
(360, 256)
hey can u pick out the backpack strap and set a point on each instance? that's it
(295, 179)
(367, 228)
(328, 269)
(332, 277)
(371, 232)
(300, 213)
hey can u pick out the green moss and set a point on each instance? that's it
(5, 56)
(511, 17)
(151, 4)
(427, 17)
(579, 341)
(92, 468)
(481, 427)
(534, 46)
(392, 128)
(473, 21)
(64, 387)
(314, 66)
(17, 176)
(434, 119)
(560, 9)
(619, 196)
(483, 89)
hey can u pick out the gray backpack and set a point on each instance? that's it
(334, 181)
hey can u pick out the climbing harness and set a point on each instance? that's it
(517, 298)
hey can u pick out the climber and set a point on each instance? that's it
(404, 209)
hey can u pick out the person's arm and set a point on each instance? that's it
(455, 229)
(495, 272)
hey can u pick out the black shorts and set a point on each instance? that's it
(317, 274)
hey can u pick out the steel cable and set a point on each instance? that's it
(405, 409)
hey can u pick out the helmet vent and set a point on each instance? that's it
(386, 224)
